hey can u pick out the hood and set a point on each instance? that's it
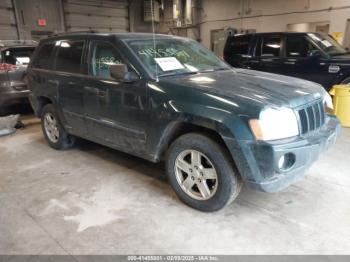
(253, 86)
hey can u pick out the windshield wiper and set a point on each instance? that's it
(177, 74)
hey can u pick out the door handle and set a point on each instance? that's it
(91, 89)
(289, 63)
(101, 93)
(54, 82)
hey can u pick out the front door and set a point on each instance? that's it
(116, 111)
(300, 61)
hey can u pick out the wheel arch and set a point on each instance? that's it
(38, 104)
(215, 131)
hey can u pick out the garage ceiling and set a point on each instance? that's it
(99, 15)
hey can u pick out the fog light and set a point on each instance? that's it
(281, 162)
(286, 161)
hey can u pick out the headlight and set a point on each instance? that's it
(327, 100)
(275, 124)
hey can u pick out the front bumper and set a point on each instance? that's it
(258, 161)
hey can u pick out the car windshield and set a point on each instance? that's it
(328, 44)
(166, 57)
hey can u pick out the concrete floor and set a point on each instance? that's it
(94, 200)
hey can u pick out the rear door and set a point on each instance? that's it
(268, 54)
(116, 111)
(70, 79)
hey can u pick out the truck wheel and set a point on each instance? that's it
(201, 173)
(53, 130)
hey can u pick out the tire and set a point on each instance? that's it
(53, 131)
(213, 159)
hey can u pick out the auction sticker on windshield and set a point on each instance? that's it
(169, 63)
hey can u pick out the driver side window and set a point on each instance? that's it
(102, 56)
(298, 46)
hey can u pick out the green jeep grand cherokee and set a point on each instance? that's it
(168, 98)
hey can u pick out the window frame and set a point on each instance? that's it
(82, 60)
(285, 53)
(238, 38)
(113, 45)
(51, 66)
(259, 44)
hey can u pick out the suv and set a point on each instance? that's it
(311, 56)
(162, 97)
(14, 58)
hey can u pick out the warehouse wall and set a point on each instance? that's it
(271, 15)
(8, 27)
(28, 15)
(99, 15)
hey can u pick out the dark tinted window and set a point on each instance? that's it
(103, 55)
(69, 56)
(270, 46)
(298, 46)
(42, 59)
(238, 45)
(18, 56)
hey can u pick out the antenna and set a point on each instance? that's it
(154, 41)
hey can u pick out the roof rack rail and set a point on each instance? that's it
(74, 32)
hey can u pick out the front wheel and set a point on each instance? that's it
(201, 173)
(53, 130)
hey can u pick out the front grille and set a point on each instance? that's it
(311, 117)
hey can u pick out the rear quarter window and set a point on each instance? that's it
(238, 45)
(42, 58)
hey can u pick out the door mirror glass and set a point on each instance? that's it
(314, 53)
(121, 72)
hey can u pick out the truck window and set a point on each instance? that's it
(239, 45)
(69, 56)
(102, 56)
(270, 46)
(298, 46)
(42, 59)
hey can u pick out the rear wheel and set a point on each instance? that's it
(201, 173)
(53, 130)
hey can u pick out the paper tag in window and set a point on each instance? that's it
(169, 63)
(326, 43)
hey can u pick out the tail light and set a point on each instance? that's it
(7, 67)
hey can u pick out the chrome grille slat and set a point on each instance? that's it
(312, 117)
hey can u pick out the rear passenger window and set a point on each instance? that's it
(102, 56)
(270, 46)
(69, 56)
(42, 59)
(239, 45)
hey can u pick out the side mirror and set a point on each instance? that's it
(314, 53)
(121, 72)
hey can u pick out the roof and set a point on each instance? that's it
(279, 33)
(122, 36)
